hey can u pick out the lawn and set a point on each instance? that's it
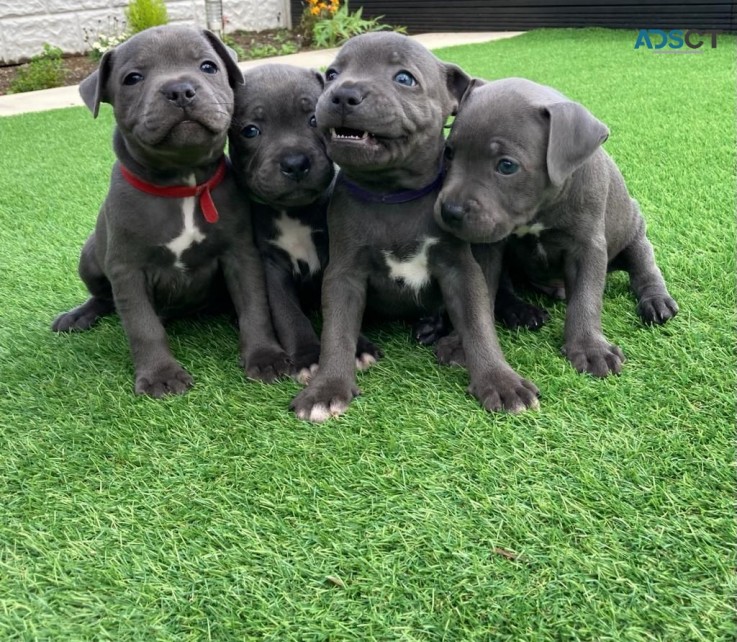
(606, 515)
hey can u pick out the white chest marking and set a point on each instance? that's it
(524, 230)
(295, 238)
(413, 271)
(189, 235)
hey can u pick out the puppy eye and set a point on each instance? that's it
(250, 131)
(331, 74)
(313, 121)
(405, 78)
(507, 167)
(448, 153)
(132, 78)
(209, 67)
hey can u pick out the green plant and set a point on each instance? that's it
(105, 40)
(229, 41)
(340, 25)
(142, 14)
(44, 71)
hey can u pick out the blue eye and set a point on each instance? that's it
(209, 67)
(331, 74)
(132, 79)
(313, 121)
(507, 167)
(250, 131)
(405, 78)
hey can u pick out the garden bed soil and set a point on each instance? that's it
(253, 45)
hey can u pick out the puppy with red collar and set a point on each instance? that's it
(173, 234)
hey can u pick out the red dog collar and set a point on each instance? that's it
(183, 191)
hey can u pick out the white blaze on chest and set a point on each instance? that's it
(413, 271)
(190, 233)
(295, 238)
(524, 230)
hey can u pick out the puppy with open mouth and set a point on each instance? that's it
(527, 171)
(173, 233)
(279, 158)
(383, 109)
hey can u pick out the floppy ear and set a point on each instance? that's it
(320, 77)
(475, 82)
(93, 89)
(228, 56)
(457, 82)
(573, 137)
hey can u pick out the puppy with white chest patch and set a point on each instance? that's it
(527, 170)
(384, 106)
(173, 232)
(280, 159)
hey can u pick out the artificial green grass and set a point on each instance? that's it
(606, 515)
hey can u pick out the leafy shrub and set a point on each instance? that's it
(44, 71)
(142, 14)
(325, 23)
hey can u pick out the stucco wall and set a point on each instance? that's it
(25, 25)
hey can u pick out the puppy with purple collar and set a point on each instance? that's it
(383, 110)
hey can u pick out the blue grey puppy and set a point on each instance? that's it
(527, 171)
(173, 233)
(385, 102)
(280, 160)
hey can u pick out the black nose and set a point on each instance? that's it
(452, 213)
(181, 93)
(348, 96)
(295, 166)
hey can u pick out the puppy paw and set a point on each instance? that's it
(304, 362)
(449, 351)
(657, 310)
(505, 390)
(83, 317)
(367, 354)
(169, 379)
(429, 330)
(597, 357)
(267, 364)
(521, 314)
(324, 399)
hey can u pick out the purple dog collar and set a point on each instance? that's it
(405, 196)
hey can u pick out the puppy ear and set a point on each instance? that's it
(457, 82)
(475, 82)
(573, 137)
(320, 77)
(93, 89)
(228, 56)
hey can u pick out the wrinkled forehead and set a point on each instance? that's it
(165, 49)
(499, 120)
(385, 53)
(270, 92)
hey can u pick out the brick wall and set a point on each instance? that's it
(25, 25)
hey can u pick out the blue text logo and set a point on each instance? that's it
(672, 41)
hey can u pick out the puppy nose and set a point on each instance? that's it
(295, 166)
(181, 93)
(452, 213)
(347, 96)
